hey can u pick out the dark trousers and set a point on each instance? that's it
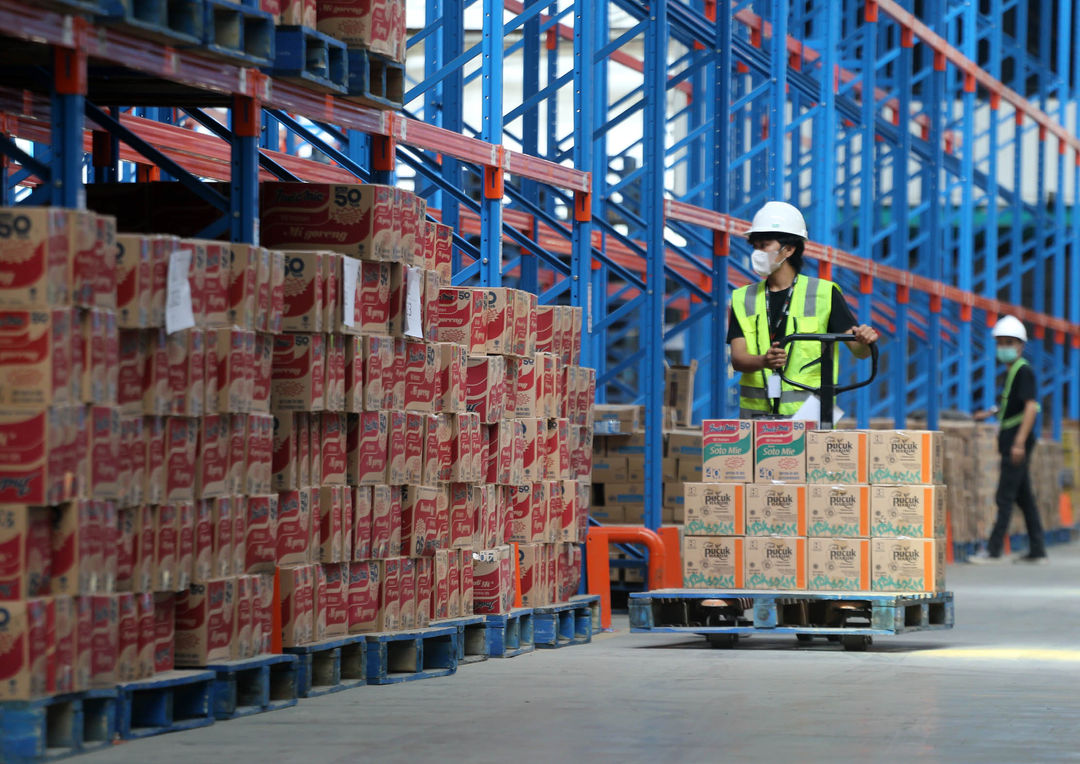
(1014, 487)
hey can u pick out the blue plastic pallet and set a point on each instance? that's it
(472, 637)
(722, 615)
(311, 57)
(376, 79)
(239, 32)
(170, 21)
(168, 702)
(332, 665)
(90, 7)
(510, 634)
(56, 727)
(565, 624)
(254, 685)
(407, 656)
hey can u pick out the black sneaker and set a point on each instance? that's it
(1032, 559)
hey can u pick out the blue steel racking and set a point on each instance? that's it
(921, 148)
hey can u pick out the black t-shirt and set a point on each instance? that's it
(1023, 390)
(840, 316)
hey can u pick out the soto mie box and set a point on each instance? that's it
(728, 450)
(779, 451)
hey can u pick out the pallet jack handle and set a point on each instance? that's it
(828, 390)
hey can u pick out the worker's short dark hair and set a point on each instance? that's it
(784, 240)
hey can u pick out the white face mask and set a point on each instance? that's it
(765, 263)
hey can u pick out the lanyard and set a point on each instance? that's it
(775, 329)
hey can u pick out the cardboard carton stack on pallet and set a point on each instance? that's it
(135, 397)
(1070, 458)
(182, 420)
(619, 455)
(466, 421)
(783, 507)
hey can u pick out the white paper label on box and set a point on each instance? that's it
(413, 325)
(178, 311)
(350, 277)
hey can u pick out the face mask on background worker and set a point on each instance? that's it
(1007, 355)
(765, 263)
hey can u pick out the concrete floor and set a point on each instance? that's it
(1003, 686)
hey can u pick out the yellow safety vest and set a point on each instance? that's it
(1015, 419)
(811, 303)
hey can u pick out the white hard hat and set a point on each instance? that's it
(1010, 326)
(778, 217)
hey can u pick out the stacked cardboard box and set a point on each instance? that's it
(972, 468)
(1070, 456)
(464, 417)
(104, 489)
(790, 508)
(182, 419)
(374, 25)
(619, 471)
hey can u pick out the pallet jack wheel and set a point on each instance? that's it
(723, 641)
(857, 643)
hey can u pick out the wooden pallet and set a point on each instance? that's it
(331, 665)
(510, 634)
(565, 624)
(254, 685)
(724, 615)
(58, 726)
(167, 702)
(394, 657)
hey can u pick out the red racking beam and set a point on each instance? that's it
(970, 69)
(726, 223)
(190, 68)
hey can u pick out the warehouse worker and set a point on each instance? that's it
(786, 302)
(1016, 438)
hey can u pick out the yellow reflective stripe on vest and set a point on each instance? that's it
(1015, 419)
(809, 314)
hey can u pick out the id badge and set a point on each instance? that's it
(774, 385)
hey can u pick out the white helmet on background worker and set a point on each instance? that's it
(778, 217)
(1010, 326)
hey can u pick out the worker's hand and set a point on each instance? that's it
(865, 334)
(775, 358)
(1017, 454)
(982, 416)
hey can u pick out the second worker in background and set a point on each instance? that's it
(785, 302)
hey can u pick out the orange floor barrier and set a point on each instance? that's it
(950, 555)
(672, 557)
(598, 561)
(1065, 510)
